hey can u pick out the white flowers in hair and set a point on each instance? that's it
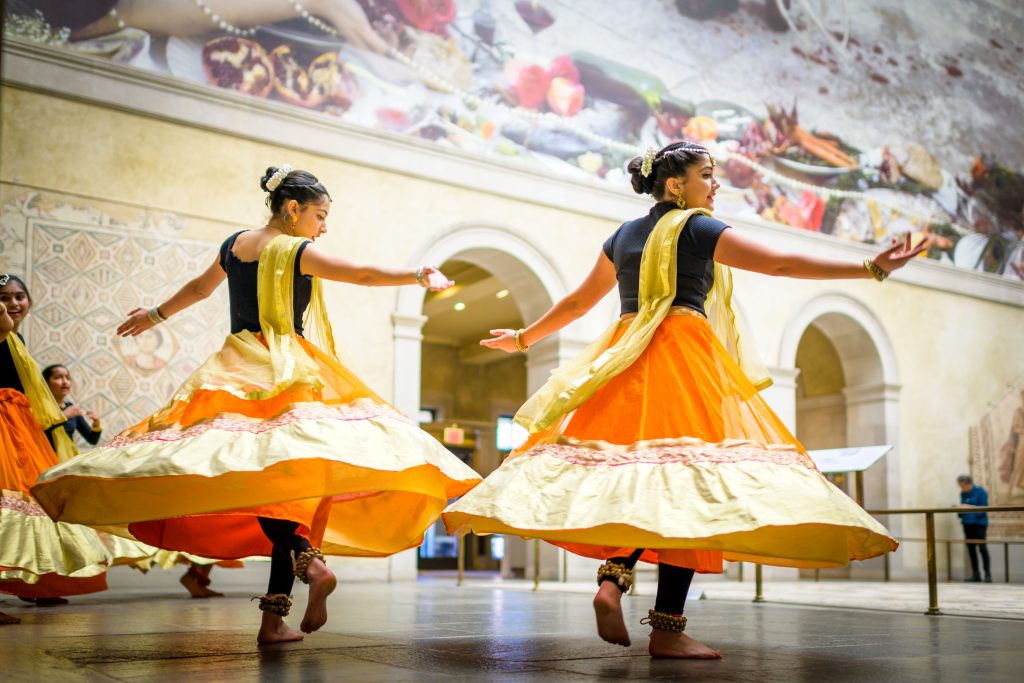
(278, 177)
(648, 164)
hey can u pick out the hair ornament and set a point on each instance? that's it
(648, 163)
(278, 177)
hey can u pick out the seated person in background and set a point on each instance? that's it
(87, 422)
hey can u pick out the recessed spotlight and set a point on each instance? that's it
(459, 306)
(502, 294)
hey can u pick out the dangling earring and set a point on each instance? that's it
(292, 220)
(680, 201)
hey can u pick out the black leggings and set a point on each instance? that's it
(282, 534)
(977, 532)
(673, 583)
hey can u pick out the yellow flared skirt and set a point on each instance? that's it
(679, 455)
(357, 476)
(39, 558)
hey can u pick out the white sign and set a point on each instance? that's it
(855, 459)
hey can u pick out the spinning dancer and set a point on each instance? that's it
(272, 447)
(661, 420)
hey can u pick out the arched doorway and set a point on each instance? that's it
(846, 393)
(437, 361)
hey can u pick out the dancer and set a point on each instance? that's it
(661, 419)
(271, 447)
(40, 561)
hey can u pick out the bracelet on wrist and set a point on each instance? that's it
(154, 315)
(875, 270)
(421, 277)
(518, 339)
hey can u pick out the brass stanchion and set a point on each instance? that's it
(758, 584)
(536, 564)
(949, 562)
(565, 565)
(933, 579)
(461, 560)
(1006, 562)
(885, 566)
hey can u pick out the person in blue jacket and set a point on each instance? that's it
(975, 525)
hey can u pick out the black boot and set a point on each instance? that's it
(988, 578)
(974, 578)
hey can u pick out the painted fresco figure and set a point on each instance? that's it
(272, 447)
(1011, 455)
(654, 444)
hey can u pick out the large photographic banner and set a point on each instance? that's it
(864, 120)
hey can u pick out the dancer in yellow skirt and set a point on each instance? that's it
(272, 447)
(654, 444)
(40, 560)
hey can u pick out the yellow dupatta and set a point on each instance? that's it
(275, 278)
(577, 381)
(44, 406)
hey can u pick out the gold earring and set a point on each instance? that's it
(680, 201)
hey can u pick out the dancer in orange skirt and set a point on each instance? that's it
(40, 561)
(272, 447)
(654, 444)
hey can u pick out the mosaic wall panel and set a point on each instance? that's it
(86, 270)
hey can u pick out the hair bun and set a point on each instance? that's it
(267, 175)
(641, 184)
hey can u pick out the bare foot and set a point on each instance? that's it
(274, 630)
(193, 583)
(8, 619)
(673, 645)
(321, 584)
(608, 610)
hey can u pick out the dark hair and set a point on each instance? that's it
(964, 479)
(48, 370)
(671, 162)
(301, 186)
(21, 283)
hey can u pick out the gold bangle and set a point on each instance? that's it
(875, 270)
(517, 337)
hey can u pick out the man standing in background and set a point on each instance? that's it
(975, 525)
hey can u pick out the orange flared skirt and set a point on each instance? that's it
(357, 476)
(679, 455)
(39, 558)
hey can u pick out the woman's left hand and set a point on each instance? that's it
(436, 280)
(138, 322)
(900, 255)
(504, 340)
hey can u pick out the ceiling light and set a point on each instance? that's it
(459, 306)
(502, 294)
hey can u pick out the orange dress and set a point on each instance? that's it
(269, 426)
(39, 558)
(677, 454)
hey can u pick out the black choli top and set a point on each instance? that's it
(695, 268)
(8, 373)
(242, 288)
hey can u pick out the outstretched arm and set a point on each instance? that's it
(598, 283)
(194, 291)
(741, 252)
(319, 263)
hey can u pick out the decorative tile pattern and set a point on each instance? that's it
(86, 270)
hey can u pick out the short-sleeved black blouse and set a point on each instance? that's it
(695, 272)
(242, 288)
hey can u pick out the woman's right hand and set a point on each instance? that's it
(138, 322)
(503, 340)
(73, 410)
(899, 255)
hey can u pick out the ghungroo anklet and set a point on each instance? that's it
(300, 562)
(278, 603)
(617, 573)
(661, 621)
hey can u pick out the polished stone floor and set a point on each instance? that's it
(145, 630)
